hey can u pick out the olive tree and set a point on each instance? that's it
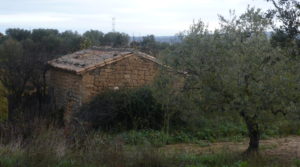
(236, 69)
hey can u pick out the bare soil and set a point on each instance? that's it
(286, 148)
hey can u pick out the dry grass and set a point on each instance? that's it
(285, 149)
(48, 146)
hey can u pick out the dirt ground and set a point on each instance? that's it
(287, 148)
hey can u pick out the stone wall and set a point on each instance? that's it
(130, 72)
(65, 88)
(70, 90)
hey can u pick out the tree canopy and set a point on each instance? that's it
(237, 69)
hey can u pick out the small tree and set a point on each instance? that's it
(149, 45)
(14, 73)
(167, 91)
(96, 37)
(23, 66)
(116, 39)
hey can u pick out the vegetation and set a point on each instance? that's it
(24, 55)
(223, 85)
(47, 147)
(237, 69)
(3, 104)
(288, 13)
(123, 110)
(149, 45)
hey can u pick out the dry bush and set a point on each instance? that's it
(23, 129)
(45, 147)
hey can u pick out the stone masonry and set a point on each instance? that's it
(76, 78)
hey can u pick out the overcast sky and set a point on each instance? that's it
(135, 17)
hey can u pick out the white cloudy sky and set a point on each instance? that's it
(138, 17)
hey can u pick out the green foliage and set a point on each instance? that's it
(85, 44)
(18, 34)
(235, 69)
(149, 45)
(96, 37)
(146, 137)
(70, 41)
(116, 39)
(297, 162)
(123, 109)
(3, 104)
(175, 105)
(23, 64)
(287, 12)
(237, 83)
(286, 35)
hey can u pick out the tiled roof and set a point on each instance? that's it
(94, 57)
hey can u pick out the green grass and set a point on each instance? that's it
(225, 132)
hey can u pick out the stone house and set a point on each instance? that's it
(74, 79)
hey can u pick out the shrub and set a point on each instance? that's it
(3, 104)
(123, 110)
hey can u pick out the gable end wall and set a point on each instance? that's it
(65, 88)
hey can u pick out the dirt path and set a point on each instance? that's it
(287, 148)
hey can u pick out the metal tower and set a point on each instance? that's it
(113, 24)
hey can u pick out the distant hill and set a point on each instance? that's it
(166, 39)
(175, 39)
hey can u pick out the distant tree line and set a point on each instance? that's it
(149, 45)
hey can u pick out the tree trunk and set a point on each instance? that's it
(254, 133)
(254, 137)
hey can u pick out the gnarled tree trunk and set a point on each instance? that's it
(254, 137)
(254, 132)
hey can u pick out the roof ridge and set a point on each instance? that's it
(106, 48)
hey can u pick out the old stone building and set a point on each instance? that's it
(76, 78)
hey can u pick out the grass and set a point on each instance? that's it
(205, 135)
(136, 148)
(139, 156)
(49, 147)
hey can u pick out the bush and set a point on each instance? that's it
(124, 109)
(3, 104)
